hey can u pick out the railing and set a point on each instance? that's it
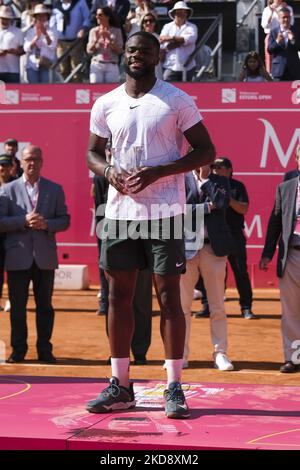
(247, 13)
(61, 59)
(216, 24)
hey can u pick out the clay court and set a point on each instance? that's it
(81, 345)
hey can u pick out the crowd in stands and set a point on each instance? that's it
(34, 35)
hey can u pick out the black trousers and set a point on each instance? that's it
(18, 288)
(142, 308)
(238, 263)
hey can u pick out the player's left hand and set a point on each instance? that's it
(140, 179)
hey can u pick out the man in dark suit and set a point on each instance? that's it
(284, 43)
(294, 173)
(32, 210)
(211, 193)
(284, 226)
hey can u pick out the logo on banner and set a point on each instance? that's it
(296, 93)
(12, 97)
(228, 95)
(271, 136)
(82, 96)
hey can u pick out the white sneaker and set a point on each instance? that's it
(222, 362)
(7, 306)
(197, 294)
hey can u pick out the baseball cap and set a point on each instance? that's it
(5, 160)
(11, 142)
(222, 161)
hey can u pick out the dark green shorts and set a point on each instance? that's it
(156, 244)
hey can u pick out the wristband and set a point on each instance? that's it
(107, 170)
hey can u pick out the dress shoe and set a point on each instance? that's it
(102, 310)
(248, 314)
(203, 313)
(289, 367)
(14, 358)
(140, 360)
(47, 358)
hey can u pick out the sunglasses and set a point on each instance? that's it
(149, 21)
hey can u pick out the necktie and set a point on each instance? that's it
(297, 226)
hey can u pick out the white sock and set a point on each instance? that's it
(174, 370)
(120, 369)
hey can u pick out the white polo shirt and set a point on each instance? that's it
(10, 38)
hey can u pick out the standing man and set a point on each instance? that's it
(11, 46)
(284, 226)
(294, 173)
(154, 116)
(209, 261)
(284, 43)
(238, 207)
(32, 210)
(178, 40)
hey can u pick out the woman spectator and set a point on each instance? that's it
(105, 44)
(40, 45)
(149, 24)
(269, 20)
(253, 69)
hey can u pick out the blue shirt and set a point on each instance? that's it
(79, 19)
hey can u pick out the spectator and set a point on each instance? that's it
(106, 44)
(142, 8)
(11, 47)
(11, 148)
(71, 18)
(40, 46)
(253, 69)
(269, 21)
(178, 40)
(150, 25)
(284, 43)
(32, 210)
(212, 191)
(294, 173)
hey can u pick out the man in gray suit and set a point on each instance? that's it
(284, 225)
(32, 210)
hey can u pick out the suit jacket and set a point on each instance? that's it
(24, 245)
(281, 223)
(285, 60)
(217, 191)
(291, 174)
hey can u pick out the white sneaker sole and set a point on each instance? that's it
(113, 407)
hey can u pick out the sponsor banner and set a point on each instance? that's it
(255, 125)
